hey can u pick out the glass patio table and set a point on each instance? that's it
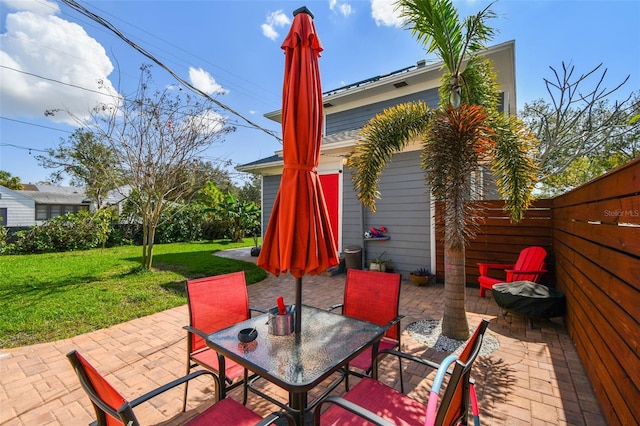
(299, 361)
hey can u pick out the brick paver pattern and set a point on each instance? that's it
(535, 378)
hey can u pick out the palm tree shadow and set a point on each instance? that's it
(494, 380)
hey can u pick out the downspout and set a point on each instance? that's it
(364, 246)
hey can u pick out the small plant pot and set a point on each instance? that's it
(420, 280)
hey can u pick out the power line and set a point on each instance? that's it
(57, 81)
(233, 75)
(35, 125)
(81, 9)
(26, 148)
(233, 123)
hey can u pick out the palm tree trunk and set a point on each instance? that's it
(454, 321)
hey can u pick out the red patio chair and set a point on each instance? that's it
(215, 303)
(530, 266)
(375, 297)
(370, 401)
(114, 409)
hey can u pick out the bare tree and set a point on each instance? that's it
(158, 138)
(579, 120)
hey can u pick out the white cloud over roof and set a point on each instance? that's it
(50, 63)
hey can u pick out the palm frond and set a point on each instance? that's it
(387, 133)
(436, 25)
(513, 163)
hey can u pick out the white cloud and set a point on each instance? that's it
(42, 7)
(269, 32)
(342, 7)
(274, 19)
(384, 13)
(44, 57)
(205, 82)
(210, 122)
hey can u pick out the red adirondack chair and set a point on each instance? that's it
(530, 266)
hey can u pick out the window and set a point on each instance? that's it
(42, 212)
(49, 211)
(3, 216)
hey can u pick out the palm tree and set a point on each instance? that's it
(463, 134)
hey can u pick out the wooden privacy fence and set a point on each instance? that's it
(596, 238)
(498, 240)
(592, 237)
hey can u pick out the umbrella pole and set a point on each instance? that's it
(298, 316)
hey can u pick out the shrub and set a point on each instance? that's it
(80, 231)
(3, 239)
(181, 223)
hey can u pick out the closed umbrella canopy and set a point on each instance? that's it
(298, 238)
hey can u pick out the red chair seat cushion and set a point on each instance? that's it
(380, 399)
(226, 412)
(363, 361)
(209, 359)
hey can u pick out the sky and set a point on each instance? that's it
(52, 57)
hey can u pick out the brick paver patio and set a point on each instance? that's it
(535, 377)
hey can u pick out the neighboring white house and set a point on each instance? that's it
(36, 204)
(405, 208)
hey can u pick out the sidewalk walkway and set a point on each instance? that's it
(535, 377)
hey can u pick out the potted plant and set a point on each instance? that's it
(379, 263)
(421, 277)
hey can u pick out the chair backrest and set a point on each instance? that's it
(530, 259)
(110, 406)
(215, 303)
(373, 296)
(455, 401)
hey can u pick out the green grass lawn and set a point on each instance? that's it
(46, 297)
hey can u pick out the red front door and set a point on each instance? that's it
(331, 197)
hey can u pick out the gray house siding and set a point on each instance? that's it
(404, 209)
(352, 214)
(405, 206)
(357, 117)
(270, 185)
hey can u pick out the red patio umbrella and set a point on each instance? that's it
(298, 237)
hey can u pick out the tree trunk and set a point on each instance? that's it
(145, 247)
(454, 321)
(151, 235)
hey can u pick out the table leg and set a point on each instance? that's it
(222, 392)
(298, 401)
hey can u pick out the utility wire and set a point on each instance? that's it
(229, 122)
(35, 125)
(233, 76)
(58, 81)
(81, 9)
(26, 148)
